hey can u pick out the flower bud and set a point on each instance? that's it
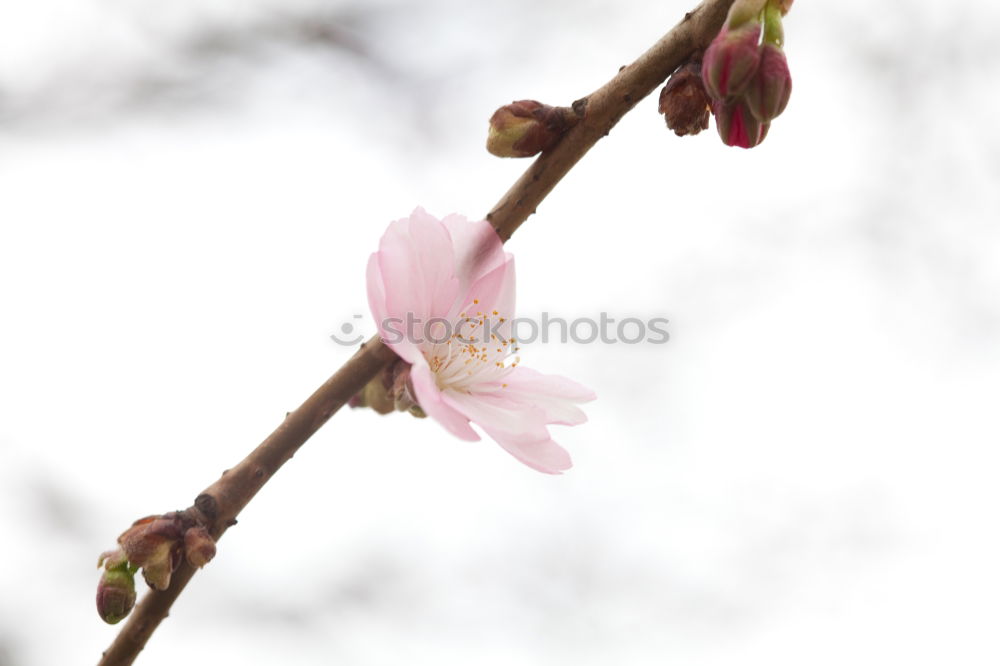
(684, 102)
(376, 394)
(731, 60)
(389, 391)
(155, 544)
(115, 594)
(199, 547)
(771, 86)
(527, 127)
(737, 126)
(403, 394)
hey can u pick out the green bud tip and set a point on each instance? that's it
(526, 127)
(115, 594)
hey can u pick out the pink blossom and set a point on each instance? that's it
(454, 280)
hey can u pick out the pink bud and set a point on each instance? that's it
(737, 126)
(771, 86)
(731, 60)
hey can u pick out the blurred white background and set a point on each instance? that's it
(805, 473)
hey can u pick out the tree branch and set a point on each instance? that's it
(602, 110)
(219, 504)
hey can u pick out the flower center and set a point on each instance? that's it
(476, 351)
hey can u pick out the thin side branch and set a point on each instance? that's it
(221, 502)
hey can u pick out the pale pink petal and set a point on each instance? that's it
(554, 395)
(429, 398)
(496, 411)
(417, 264)
(541, 454)
(485, 270)
(531, 381)
(376, 289)
(436, 261)
(391, 332)
(477, 247)
(494, 291)
(516, 416)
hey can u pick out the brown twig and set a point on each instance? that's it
(219, 504)
(602, 109)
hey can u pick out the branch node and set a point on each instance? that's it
(208, 506)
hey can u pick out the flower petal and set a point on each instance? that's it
(417, 263)
(516, 412)
(554, 395)
(429, 398)
(494, 291)
(391, 332)
(517, 427)
(477, 247)
(541, 454)
(496, 411)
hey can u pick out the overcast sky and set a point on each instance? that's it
(805, 472)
